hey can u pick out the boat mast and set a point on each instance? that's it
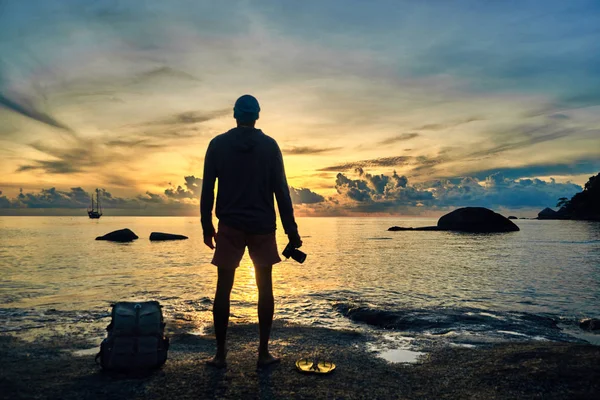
(98, 200)
(92, 201)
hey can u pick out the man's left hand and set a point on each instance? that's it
(208, 240)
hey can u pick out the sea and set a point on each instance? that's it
(408, 291)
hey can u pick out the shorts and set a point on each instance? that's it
(231, 244)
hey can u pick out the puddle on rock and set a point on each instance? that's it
(86, 352)
(400, 355)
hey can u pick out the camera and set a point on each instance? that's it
(297, 255)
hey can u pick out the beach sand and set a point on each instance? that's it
(51, 369)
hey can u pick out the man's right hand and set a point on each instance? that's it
(295, 240)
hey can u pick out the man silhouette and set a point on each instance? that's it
(249, 167)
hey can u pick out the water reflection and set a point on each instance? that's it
(548, 267)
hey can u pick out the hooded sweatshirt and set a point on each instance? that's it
(249, 167)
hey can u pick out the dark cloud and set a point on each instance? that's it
(162, 72)
(374, 193)
(445, 125)
(399, 138)
(151, 198)
(559, 116)
(308, 150)
(191, 117)
(51, 198)
(305, 196)
(377, 162)
(78, 198)
(192, 189)
(501, 141)
(499, 191)
(77, 154)
(576, 167)
(380, 192)
(523, 137)
(26, 108)
(131, 143)
(4, 201)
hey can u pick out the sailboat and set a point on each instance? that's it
(95, 213)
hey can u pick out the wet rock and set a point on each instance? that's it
(590, 324)
(154, 236)
(122, 235)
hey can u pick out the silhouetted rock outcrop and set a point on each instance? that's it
(512, 217)
(585, 205)
(590, 324)
(166, 236)
(476, 219)
(422, 228)
(122, 235)
(468, 219)
(548, 213)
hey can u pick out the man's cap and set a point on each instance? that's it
(246, 109)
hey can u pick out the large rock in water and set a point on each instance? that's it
(548, 213)
(122, 235)
(476, 219)
(166, 236)
(468, 219)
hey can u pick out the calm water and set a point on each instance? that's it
(427, 286)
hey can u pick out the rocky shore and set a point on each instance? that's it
(55, 367)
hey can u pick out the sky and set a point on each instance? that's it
(380, 107)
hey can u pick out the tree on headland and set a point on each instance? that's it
(562, 202)
(585, 204)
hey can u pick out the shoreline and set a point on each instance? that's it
(62, 366)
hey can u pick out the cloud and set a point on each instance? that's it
(510, 140)
(162, 72)
(498, 191)
(559, 116)
(398, 138)
(446, 125)
(376, 162)
(190, 117)
(575, 167)
(81, 154)
(26, 108)
(308, 150)
(77, 198)
(4, 201)
(379, 192)
(305, 196)
(192, 190)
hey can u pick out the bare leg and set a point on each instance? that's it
(266, 306)
(221, 314)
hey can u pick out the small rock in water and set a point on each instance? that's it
(166, 236)
(512, 217)
(122, 235)
(590, 324)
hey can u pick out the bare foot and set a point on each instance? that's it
(266, 360)
(217, 362)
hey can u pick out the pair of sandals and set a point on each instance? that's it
(314, 366)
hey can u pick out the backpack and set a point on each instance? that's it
(135, 339)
